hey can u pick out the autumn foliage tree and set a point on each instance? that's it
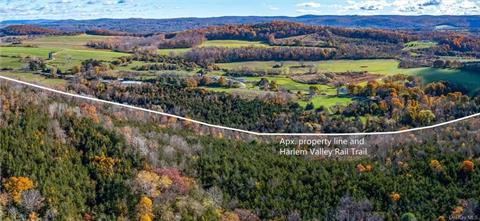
(16, 185)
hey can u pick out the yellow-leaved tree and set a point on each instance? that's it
(16, 185)
(144, 209)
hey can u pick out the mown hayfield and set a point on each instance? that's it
(213, 43)
(376, 66)
(62, 58)
(71, 42)
(35, 78)
(418, 45)
(26, 51)
(326, 101)
(67, 58)
(10, 63)
(288, 84)
(469, 80)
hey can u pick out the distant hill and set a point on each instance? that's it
(27, 30)
(138, 25)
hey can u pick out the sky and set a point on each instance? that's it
(91, 9)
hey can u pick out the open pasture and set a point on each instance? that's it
(375, 66)
(63, 58)
(34, 78)
(65, 41)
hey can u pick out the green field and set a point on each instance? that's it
(26, 51)
(470, 80)
(376, 66)
(10, 63)
(63, 58)
(288, 84)
(326, 101)
(68, 50)
(467, 79)
(213, 43)
(418, 45)
(72, 42)
(67, 58)
(35, 78)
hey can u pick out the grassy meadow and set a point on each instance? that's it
(213, 43)
(375, 66)
(63, 58)
(467, 79)
(10, 62)
(288, 84)
(70, 41)
(418, 45)
(34, 78)
(326, 101)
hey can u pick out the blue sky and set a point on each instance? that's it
(89, 9)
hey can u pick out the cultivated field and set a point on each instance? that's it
(34, 78)
(63, 58)
(72, 42)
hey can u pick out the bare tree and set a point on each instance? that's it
(32, 200)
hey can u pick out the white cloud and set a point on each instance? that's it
(436, 7)
(368, 5)
(309, 5)
(415, 7)
(309, 8)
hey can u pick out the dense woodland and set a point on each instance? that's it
(141, 171)
(78, 163)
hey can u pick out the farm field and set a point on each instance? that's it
(73, 42)
(26, 51)
(288, 84)
(326, 101)
(213, 43)
(375, 66)
(35, 78)
(469, 80)
(63, 58)
(10, 63)
(419, 45)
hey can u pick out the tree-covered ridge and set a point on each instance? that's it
(64, 162)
